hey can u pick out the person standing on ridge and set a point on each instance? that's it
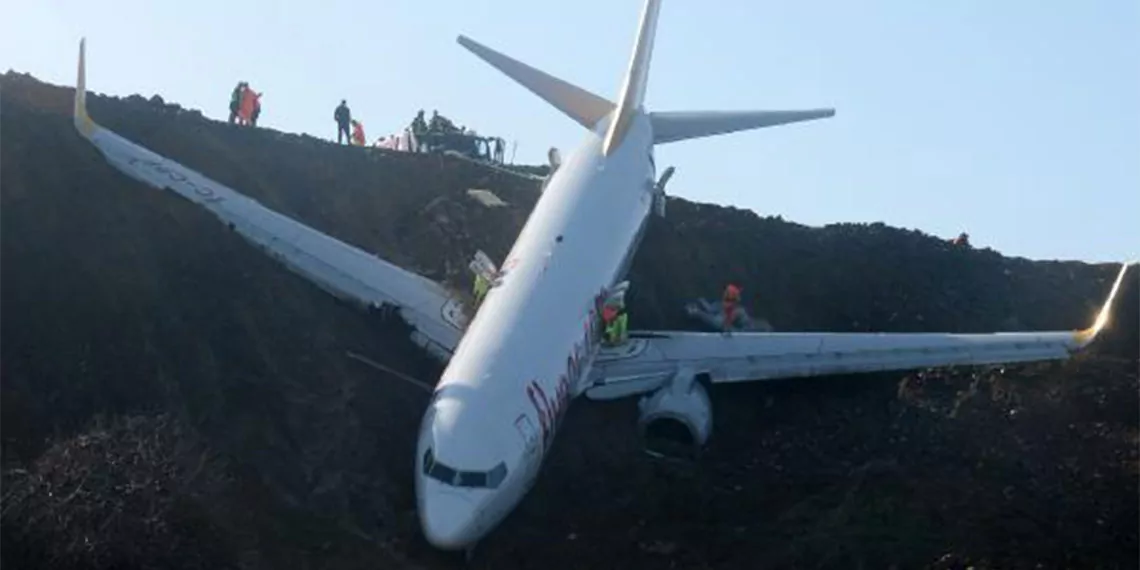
(419, 130)
(256, 110)
(248, 103)
(235, 101)
(357, 133)
(419, 124)
(254, 101)
(343, 119)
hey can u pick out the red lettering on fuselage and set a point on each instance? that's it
(540, 408)
(550, 412)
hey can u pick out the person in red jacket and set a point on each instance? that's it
(357, 133)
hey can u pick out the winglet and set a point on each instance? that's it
(83, 122)
(1086, 336)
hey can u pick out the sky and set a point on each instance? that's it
(1015, 121)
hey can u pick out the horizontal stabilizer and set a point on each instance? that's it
(577, 103)
(679, 126)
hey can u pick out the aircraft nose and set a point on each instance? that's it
(448, 520)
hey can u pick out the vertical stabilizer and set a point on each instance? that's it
(636, 77)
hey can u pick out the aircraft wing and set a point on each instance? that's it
(650, 358)
(337, 267)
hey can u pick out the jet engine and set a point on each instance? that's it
(676, 420)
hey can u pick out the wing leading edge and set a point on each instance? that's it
(651, 358)
(337, 267)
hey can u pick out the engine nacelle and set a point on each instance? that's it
(676, 420)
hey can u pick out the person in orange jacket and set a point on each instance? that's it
(256, 110)
(730, 301)
(357, 133)
(250, 101)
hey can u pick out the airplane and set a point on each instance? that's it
(533, 344)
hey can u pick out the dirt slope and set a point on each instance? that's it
(168, 388)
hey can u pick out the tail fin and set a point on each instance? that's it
(670, 127)
(83, 122)
(636, 77)
(577, 103)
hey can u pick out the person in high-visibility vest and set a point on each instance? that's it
(481, 288)
(616, 321)
(357, 133)
(730, 301)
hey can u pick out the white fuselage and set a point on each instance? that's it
(529, 348)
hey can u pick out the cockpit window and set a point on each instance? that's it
(496, 475)
(470, 479)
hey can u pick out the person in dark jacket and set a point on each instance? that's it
(235, 100)
(343, 119)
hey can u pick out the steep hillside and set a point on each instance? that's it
(172, 398)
